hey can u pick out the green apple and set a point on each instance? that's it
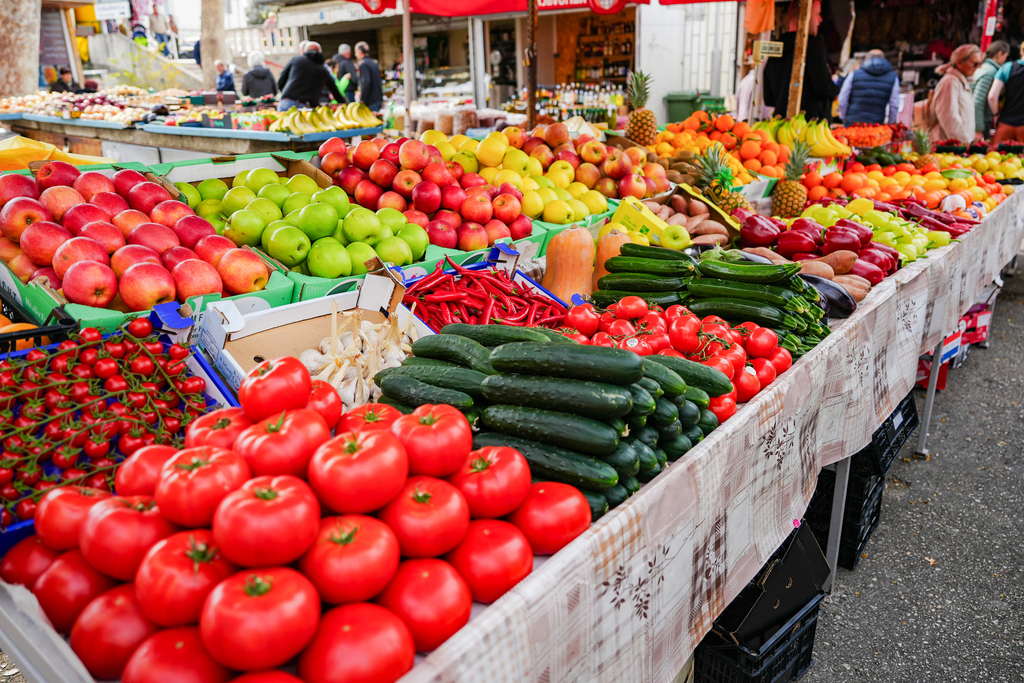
(259, 177)
(239, 179)
(212, 188)
(318, 220)
(329, 258)
(416, 237)
(245, 228)
(275, 193)
(562, 194)
(268, 232)
(558, 212)
(579, 209)
(292, 218)
(385, 232)
(394, 250)
(468, 161)
(295, 201)
(218, 222)
(675, 237)
(361, 225)
(237, 199)
(300, 268)
(289, 245)
(392, 218)
(267, 209)
(360, 253)
(336, 197)
(339, 232)
(192, 195)
(516, 160)
(302, 183)
(543, 181)
(209, 206)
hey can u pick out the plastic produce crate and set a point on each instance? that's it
(786, 656)
(886, 442)
(57, 326)
(861, 514)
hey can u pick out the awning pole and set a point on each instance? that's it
(530, 62)
(796, 82)
(409, 60)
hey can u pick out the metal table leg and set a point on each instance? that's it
(835, 527)
(929, 401)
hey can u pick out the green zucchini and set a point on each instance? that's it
(699, 397)
(755, 312)
(428, 362)
(710, 380)
(689, 414)
(648, 458)
(635, 264)
(635, 422)
(675, 448)
(652, 387)
(670, 382)
(648, 434)
(623, 459)
(591, 363)
(416, 393)
(694, 434)
(459, 379)
(554, 335)
(616, 495)
(494, 335)
(708, 422)
(598, 504)
(618, 424)
(643, 402)
(576, 433)
(669, 431)
(590, 399)
(397, 405)
(454, 349)
(557, 464)
(644, 251)
(762, 274)
(780, 297)
(800, 286)
(646, 475)
(665, 412)
(641, 282)
(632, 485)
(662, 456)
(603, 298)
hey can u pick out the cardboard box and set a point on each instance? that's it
(636, 217)
(105, 169)
(730, 223)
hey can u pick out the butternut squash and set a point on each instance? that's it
(607, 247)
(570, 263)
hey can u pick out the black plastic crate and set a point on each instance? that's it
(851, 549)
(860, 513)
(886, 442)
(57, 326)
(786, 656)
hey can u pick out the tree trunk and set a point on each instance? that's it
(19, 45)
(212, 43)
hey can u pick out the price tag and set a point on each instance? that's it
(766, 48)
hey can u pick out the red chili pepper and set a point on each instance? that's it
(488, 307)
(438, 297)
(446, 314)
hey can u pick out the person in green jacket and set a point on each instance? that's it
(996, 54)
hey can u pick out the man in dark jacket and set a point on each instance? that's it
(258, 82)
(819, 89)
(303, 78)
(225, 81)
(371, 87)
(869, 90)
(65, 82)
(345, 66)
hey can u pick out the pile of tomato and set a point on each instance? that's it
(215, 559)
(70, 413)
(749, 355)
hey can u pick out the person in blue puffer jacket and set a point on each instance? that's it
(869, 90)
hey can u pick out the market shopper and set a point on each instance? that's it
(225, 81)
(258, 81)
(158, 25)
(304, 77)
(868, 91)
(1009, 79)
(819, 89)
(65, 81)
(346, 67)
(371, 87)
(995, 56)
(952, 105)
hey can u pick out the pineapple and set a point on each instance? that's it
(923, 147)
(790, 195)
(642, 125)
(716, 180)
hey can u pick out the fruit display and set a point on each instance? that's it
(642, 126)
(715, 179)
(121, 242)
(789, 194)
(865, 134)
(324, 119)
(114, 104)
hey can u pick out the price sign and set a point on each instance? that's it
(766, 48)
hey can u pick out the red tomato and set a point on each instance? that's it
(637, 345)
(723, 407)
(675, 311)
(652, 322)
(715, 320)
(137, 476)
(765, 371)
(682, 333)
(602, 339)
(746, 384)
(431, 598)
(177, 655)
(367, 418)
(607, 318)
(259, 619)
(721, 364)
(578, 338)
(270, 520)
(494, 480)
(352, 559)
(584, 319)
(735, 338)
(630, 308)
(429, 517)
(219, 428)
(66, 587)
(26, 561)
(177, 574)
(139, 328)
(782, 360)
(117, 532)
(551, 516)
(275, 385)
(325, 400)
(109, 630)
(60, 514)
(670, 352)
(621, 328)
(746, 328)
(658, 341)
(437, 439)
(493, 557)
(762, 343)
(358, 472)
(193, 483)
(356, 643)
(272, 676)
(284, 443)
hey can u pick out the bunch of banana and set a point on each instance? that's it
(300, 122)
(771, 127)
(361, 114)
(816, 134)
(323, 119)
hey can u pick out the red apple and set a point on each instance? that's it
(452, 197)
(496, 230)
(128, 219)
(175, 255)
(19, 213)
(8, 249)
(111, 204)
(434, 155)
(13, 185)
(56, 173)
(442, 234)
(477, 209)
(556, 134)
(506, 208)
(41, 240)
(78, 249)
(632, 185)
(349, 177)
(144, 285)
(570, 156)
(157, 237)
(127, 256)
(469, 180)
(509, 188)
(543, 154)
(616, 164)
(191, 229)
(89, 284)
(367, 193)
(383, 173)
(489, 191)
(212, 247)
(608, 187)
(22, 267)
(661, 184)
(59, 199)
(80, 215)
(334, 162)
(531, 144)
(243, 271)
(438, 174)
(125, 180)
(594, 152)
(472, 236)
(390, 152)
(365, 154)
(451, 218)
(588, 174)
(379, 143)
(564, 147)
(417, 217)
(655, 171)
(147, 195)
(329, 145)
(392, 200)
(456, 170)
(46, 276)
(104, 233)
(91, 183)
(637, 156)
(582, 139)
(195, 278)
(426, 196)
(516, 136)
(521, 227)
(170, 212)
(404, 181)
(413, 155)
(652, 188)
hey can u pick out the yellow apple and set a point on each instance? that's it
(507, 176)
(532, 204)
(579, 209)
(547, 194)
(562, 194)
(467, 159)
(536, 168)
(516, 160)
(457, 140)
(447, 151)
(558, 212)
(558, 179)
(639, 238)
(530, 184)
(432, 137)
(542, 181)
(564, 167)
(470, 145)
(576, 189)
(491, 151)
(609, 226)
(488, 173)
(597, 203)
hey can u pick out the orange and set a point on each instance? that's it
(812, 179)
(988, 178)
(832, 180)
(23, 344)
(741, 128)
(932, 199)
(852, 181)
(752, 165)
(691, 123)
(883, 196)
(5, 321)
(902, 194)
(762, 134)
(750, 149)
(856, 166)
(772, 147)
(817, 192)
(768, 158)
(729, 141)
(929, 168)
(715, 135)
(769, 171)
(783, 154)
(724, 123)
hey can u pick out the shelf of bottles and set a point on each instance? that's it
(604, 51)
(594, 103)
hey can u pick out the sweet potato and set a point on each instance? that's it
(679, 204)
(817, 267)
(653, 206)
(855, 279)
(707, 227)
(678, 219)
(664, 212)
(839, 261)
(698, 208)
(711, 239)
(767, 253)
(853, 288)
(693, 221)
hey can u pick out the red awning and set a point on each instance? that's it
(469, 8)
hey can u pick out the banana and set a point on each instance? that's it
(785, 134)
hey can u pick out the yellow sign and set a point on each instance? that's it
(766, 48)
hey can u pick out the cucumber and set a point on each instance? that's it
(603, 298)
(652, 387)
(493, 335)
(591, 363)
(670, 382)
(598, 504)
(641, 282)
(416, 393)
(632, 485)
(454, 349)
(708, 422)
(590, 399)
(616, 495)
(646, 475)
(623, 459)
(780, 297)
(689, 414)
(648, 458)
(458, 379)
(694, 434)
(643, 402)
(635, 264)
(800, 286)
(554, 335)
(669, 431)
(618, 424)
(648, 434)
(557, 464)
(662, 457)
(644, 251)
(738, 309)
(581, 434)
(710, 380)
(403, 408)
(677, 447)
(761, 274)
(699, 397)
(635, 422)
(427, 362)
(665, 412)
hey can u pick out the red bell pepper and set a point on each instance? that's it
(864, 232)
(868, 271)
(794, 242)
(839, 239)
(759, 231)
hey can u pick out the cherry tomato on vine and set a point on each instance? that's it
(90, 334)
(140, 327)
